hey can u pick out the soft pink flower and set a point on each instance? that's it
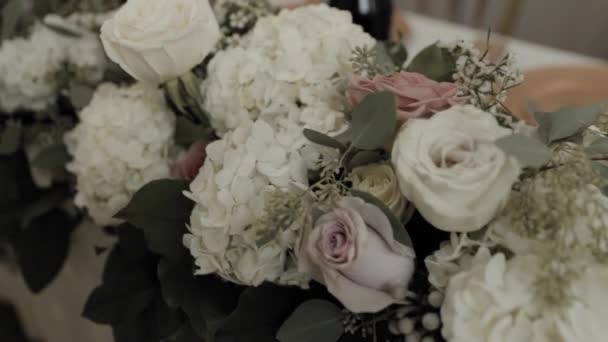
(416, 94)
(189, 164)
(352, 251)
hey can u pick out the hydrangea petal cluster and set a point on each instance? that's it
(492, 301)
(31, 69)
(123, 141)
(288, 70)
(229, 192)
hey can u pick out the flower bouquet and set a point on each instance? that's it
(282, 176)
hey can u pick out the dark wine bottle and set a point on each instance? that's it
(374, 15)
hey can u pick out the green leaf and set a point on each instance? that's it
(399, 231)
(315, 320)
(529, 151)
(435, 63)
(383, 59)
(47, 201)
(10, 139)
(80, 95)
(374, 121)
(599, 146)
(184, 334)
(397, 52)
(207, 300)
(187, 132)
(161, 210)
(253, 319)
(566, 122)
(601, 169)
(53, 158)
(11, 13)
(113, 304)
(42, 248)
(323, 139)
(363, 158)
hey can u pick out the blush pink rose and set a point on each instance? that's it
(189, 164)
(417, 95)
(352, 251)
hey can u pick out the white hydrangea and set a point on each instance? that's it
(229, 192)
(123, 141)
(494, 301)
(289, 71)
(32, 70)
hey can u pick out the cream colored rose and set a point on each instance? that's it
(452, 171)
(158, 40)
(380, 181)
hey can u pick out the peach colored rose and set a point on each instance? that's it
(417, 95)
(352, 251)
(187, 166)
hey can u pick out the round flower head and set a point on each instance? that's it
(286, 71)
(122, 142)
(230, 191)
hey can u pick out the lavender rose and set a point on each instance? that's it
(417, 95)
(352, 251)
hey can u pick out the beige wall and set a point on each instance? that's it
(576, 25)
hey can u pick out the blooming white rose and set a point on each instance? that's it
(158, 40)
(496, 300)
(380, 181)
(452, 171)
(230, 190)
(123, 141)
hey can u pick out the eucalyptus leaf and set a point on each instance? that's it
(599, 146)
(187, 132)
(161, 210)
(529, 151)
(601, 169)
(399, 232)
(45, 203)
(42, 248)
(11, 13)
(362, 158)
(323, 139)
(374, 121)
(54, 158)
(398, 52)
(384, 61)
(206, 300)
(315, 320)
(80, 95)
(435, 63)
(566, 122)
(10, 138)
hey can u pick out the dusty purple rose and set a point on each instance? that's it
(417, 95)
(352, 251)
(189, 164)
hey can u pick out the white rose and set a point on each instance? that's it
(380, 181)
(452, 171)
(158, 40)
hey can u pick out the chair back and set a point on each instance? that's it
(499, 15)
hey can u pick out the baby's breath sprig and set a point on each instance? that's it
(363, 61)
(484, 81)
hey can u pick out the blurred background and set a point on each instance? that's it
(579, 26)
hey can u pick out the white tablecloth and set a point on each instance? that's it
(54, 315)
(425, 31)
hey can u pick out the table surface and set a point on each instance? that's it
(426, 30)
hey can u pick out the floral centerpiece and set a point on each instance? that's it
(282, 176)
